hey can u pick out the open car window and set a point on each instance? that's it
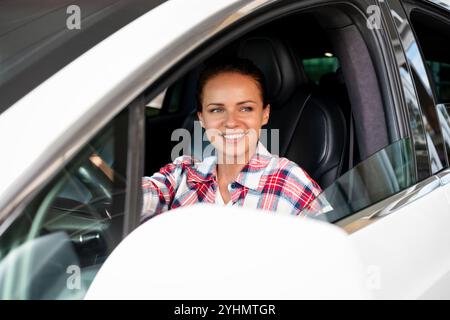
(385, 173)
(55, 246)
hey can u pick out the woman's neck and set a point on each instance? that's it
(227, 173)
(228, 170)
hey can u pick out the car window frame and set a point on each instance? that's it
(414, 59)
(434, 11)
(398, 116)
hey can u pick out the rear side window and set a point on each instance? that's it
(440, 73)
(357, 189)
(55, 246)
(316, 68)
(434, 36)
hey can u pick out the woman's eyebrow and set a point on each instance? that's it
(222, 104)
(247, 101)
(215, 104)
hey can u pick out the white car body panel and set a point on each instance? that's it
(206, 252)
(410, 249)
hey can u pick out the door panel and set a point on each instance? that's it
(409, 249)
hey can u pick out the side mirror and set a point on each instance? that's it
(209, 252)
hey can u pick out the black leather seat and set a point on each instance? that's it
(312, 127)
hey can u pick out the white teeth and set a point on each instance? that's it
(234, 136)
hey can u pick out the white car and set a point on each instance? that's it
(90, 95)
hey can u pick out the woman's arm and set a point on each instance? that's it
(159, 189)
(303, 191)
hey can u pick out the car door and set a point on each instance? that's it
(431, 25)
(404, 238)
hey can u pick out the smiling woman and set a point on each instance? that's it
(232, 107)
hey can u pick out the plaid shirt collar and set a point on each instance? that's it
(251, 176)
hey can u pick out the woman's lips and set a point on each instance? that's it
(234, 136)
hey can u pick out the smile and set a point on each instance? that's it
(234, 136)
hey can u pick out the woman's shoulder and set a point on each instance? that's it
(187, 162)
(277, 164)
(285, 167)
(281, 163)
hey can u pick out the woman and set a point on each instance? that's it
(233, 106)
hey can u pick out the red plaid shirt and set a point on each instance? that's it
(266, 182)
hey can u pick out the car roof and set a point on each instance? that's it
(444, 4)
(35, 40)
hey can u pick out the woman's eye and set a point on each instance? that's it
(246, 109)
(215, 110)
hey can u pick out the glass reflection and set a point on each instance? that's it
(420, 83)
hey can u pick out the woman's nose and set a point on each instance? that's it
(230, 120)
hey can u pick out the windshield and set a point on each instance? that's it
(37, 38)
(383, 174)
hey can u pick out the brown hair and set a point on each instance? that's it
(238, 65)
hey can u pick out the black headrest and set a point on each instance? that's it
(275, 59)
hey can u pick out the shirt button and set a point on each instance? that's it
(233, 185)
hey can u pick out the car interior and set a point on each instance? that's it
(330, 115)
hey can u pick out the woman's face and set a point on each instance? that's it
(233, 114)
